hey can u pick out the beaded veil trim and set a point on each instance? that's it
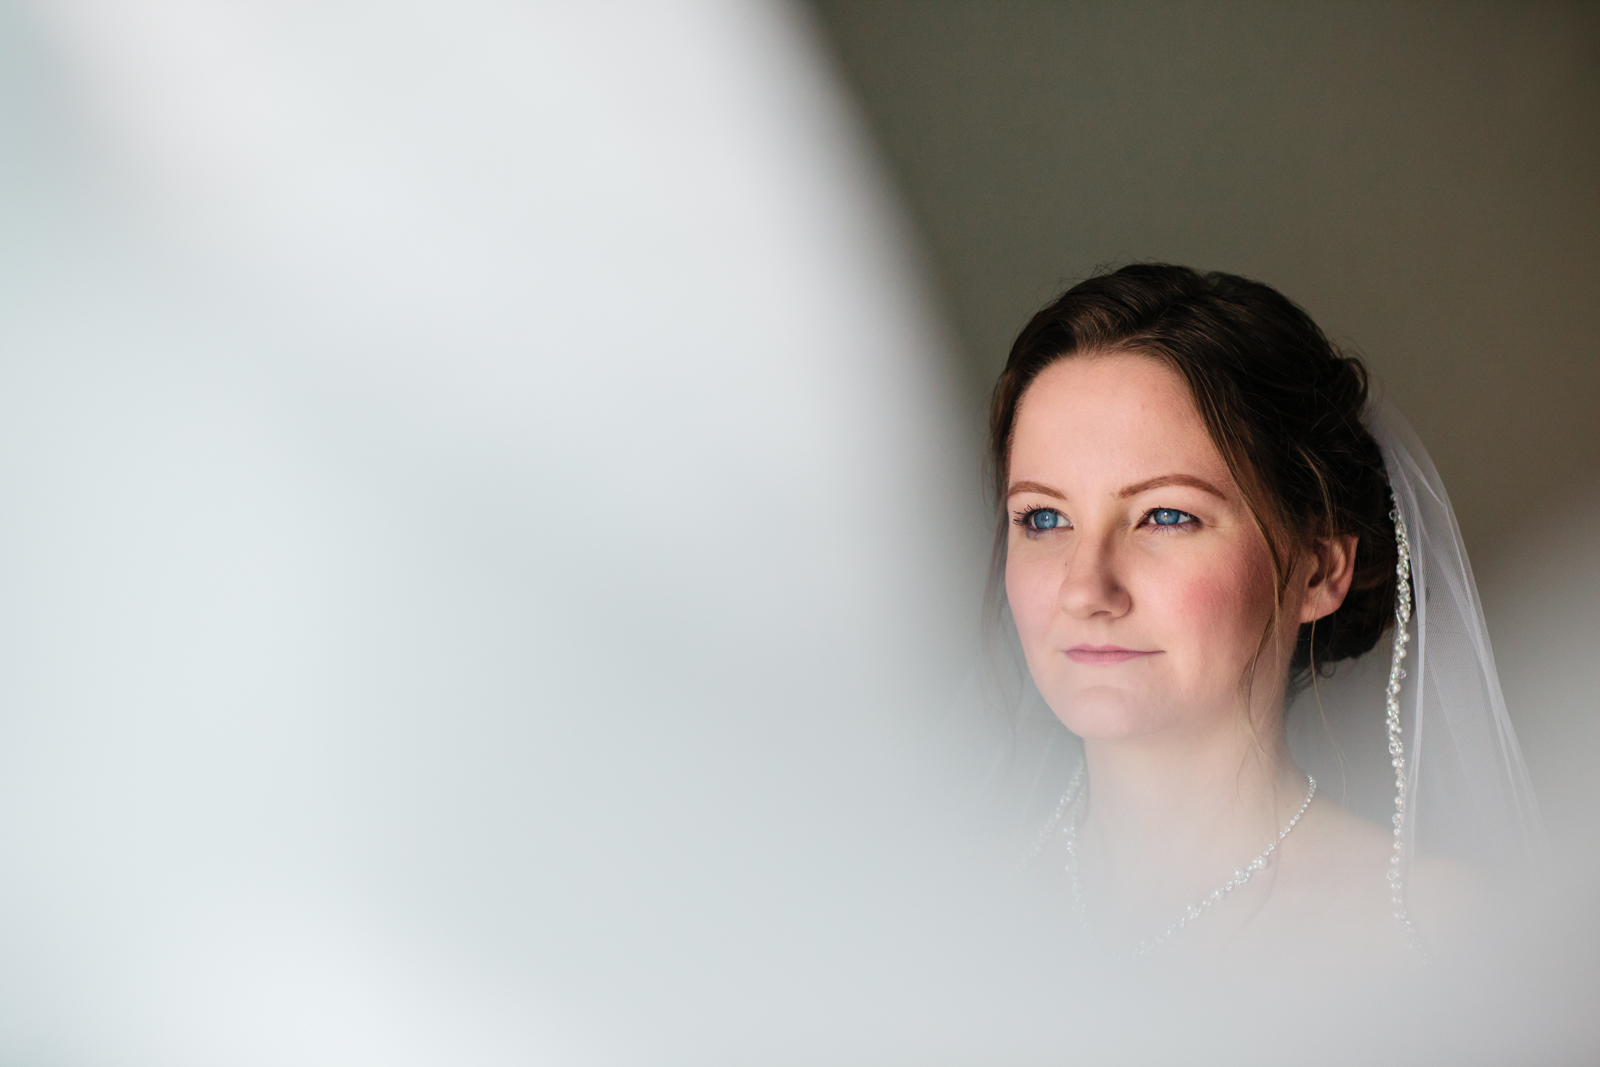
(1397, 752)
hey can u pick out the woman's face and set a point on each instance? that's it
(1139, 583)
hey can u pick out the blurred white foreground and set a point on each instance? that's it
(484, 534)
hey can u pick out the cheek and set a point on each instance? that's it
(1218, 607)
(1031, 592)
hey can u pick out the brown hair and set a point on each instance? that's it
(1281, 403)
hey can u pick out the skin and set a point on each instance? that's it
(1130, 533)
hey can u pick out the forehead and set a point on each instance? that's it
(1113, 418)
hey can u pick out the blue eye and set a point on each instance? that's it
(1041, 519)
(1170, 517)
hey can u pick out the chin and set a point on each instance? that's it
(1101, 714)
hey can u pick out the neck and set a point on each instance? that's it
(1183, 808)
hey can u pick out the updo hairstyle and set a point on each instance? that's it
(1282, 405)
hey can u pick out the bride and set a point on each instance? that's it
(1204, 517)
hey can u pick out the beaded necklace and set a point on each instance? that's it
(1074, 797)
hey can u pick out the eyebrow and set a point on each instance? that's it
(1172, 479)
(1133, 490)
(1033, 487)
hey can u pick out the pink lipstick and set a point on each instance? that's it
(1104, 655)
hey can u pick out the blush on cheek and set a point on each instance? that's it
(1225, 608)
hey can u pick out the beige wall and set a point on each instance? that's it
(1425, 179)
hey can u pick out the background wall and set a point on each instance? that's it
(1423, 178)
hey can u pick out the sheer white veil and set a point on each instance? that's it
(1464, 771)
(1470, 794)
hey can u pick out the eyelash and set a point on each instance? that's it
(1188, 524)
(1024, 520)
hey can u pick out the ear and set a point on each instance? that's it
(1333, 565)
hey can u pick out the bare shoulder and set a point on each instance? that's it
(1337, 837)
(1350, 855)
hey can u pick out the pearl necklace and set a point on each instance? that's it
(1074, 798)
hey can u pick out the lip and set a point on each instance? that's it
(1105, 655)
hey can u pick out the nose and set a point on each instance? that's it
(1092, 585)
